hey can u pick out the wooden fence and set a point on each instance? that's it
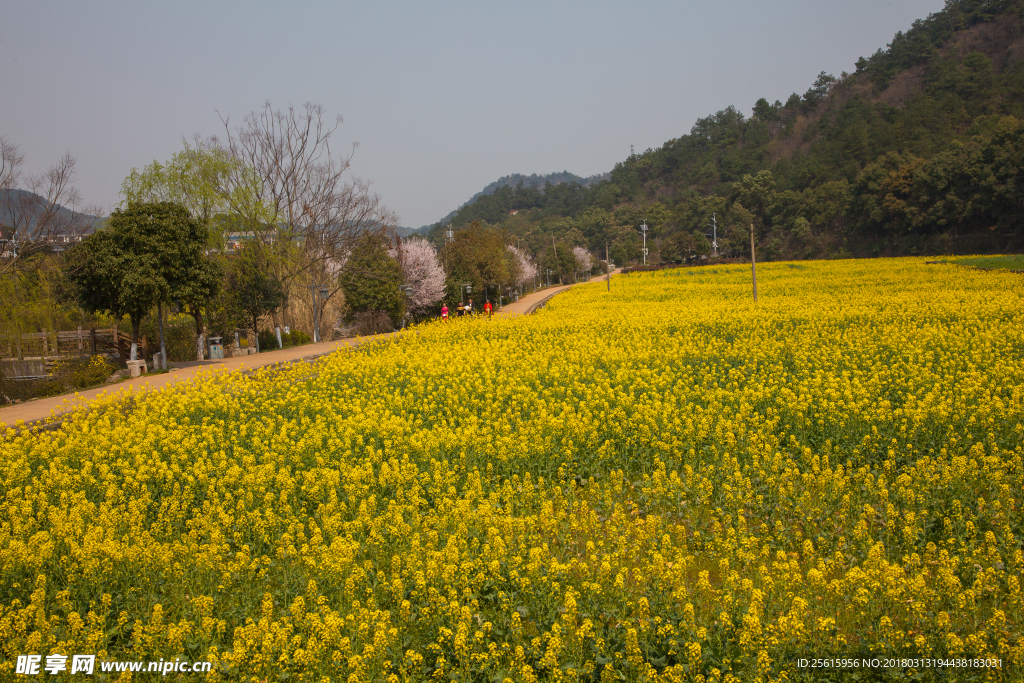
(47, 344)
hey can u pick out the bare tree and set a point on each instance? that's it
(10, 159)
(307, 209)
(45, 214)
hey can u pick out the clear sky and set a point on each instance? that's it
(442, 97)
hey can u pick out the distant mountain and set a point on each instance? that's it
(528, 181)
(22, 208)
(405, 232)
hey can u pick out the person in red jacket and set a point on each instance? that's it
(487, 308)
(444, 311)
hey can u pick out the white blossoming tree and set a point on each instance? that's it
(584, 261)
(527, 270)
(422, 271)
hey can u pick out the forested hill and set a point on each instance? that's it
(526, 183)
(919, 150)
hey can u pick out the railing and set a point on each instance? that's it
(66, 343)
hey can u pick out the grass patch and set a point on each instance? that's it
(1000, 262)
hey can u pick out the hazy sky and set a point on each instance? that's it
(442, 97)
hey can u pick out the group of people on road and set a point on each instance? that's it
(465, 309)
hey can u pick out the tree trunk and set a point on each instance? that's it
(197, 314)
(163, 345)
(276, 321)
(256, 333)
(136, 322)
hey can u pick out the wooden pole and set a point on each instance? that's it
(92, 340)
(753, 262)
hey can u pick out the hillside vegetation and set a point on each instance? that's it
(526, 185)
(917, 151)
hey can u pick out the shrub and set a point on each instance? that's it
(268, 340)
(95, 371)
(298, 338)
(371, 322)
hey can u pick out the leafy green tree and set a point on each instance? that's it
(684, 246)
(656, 216)
(819, 91)
(146, 252)
(1003, 158)
(194, 277)
(478, 256)
(593, 224)
(885, 200)
(825, 205)
(253, 289)
(561, 262)
(757, 194)
(766, 112)
(371, 279)
(624, 244)
(734, 237)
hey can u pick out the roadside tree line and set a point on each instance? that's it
(264, 229)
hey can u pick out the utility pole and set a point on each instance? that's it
(607, 267)
(714, 242)
(555, 247)
(643, 229)
(753, 263)
(449, 236)
(631, 150)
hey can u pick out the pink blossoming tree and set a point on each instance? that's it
(422, 271)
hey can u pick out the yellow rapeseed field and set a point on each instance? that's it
(667, 482)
